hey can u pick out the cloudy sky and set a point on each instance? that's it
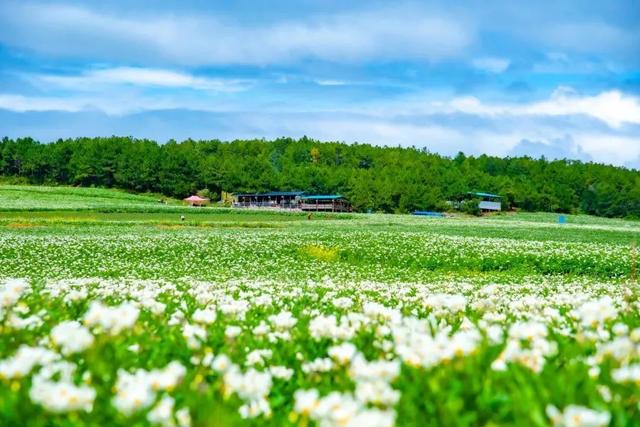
(560, 79)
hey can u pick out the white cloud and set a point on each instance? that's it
(22, 103)
(611, 107)
(99, 78)
(397, 32)
(111, 103)
(329, 82)
(612, 149)
(491, 65)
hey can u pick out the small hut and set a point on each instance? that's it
(196, 200)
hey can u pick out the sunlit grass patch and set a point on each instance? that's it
(170, 226)
(20, 225)
(321, 253)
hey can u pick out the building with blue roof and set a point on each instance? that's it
(293, 200)
(487, 202)
(270, 199)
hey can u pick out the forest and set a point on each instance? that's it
(374, 178)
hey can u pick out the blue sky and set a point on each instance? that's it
(560, 79)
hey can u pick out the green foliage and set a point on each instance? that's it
(471, 206)
(383, 179)
(218, 244)
(395, 261)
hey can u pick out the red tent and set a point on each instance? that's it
(196, 200)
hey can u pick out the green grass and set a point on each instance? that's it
(27, 198)
(226, 243)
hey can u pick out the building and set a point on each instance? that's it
(487, 202)
(325, 203)
(293, 200)
(272, 199)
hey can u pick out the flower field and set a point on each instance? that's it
(228, 320)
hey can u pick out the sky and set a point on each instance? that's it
(557, 79)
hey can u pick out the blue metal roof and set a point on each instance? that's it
(484, 194)
(324, 197)
(272, 194)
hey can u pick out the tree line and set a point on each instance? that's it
(387, 179)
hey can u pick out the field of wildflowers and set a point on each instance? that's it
(226, 320)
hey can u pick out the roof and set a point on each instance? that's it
(480, 194)
(195, 199)
(272, 194)
(323, 197)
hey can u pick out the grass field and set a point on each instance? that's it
(117, 312)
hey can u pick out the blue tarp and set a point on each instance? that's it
(429, 213)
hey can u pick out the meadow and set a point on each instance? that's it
(115, 311)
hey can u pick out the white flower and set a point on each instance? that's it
(281, 372)
(221, 363)
(24, 360)
(526, 345)
(162, 413)
(168, 377)
(11, 291)
(627, 374)
(29, 323)
(254, 408)
(205, 316)
(373, 418)
(195, 336)
(252, 387)
(133, 392)
(317, 365)
(376, 392)
(343, 353)
(184, 417)
(578, 416)
(596, 312)
(155, 307)
(385, 370)
(77, 295)
(283, 320)
(138, 390)
(336, 409)
(61, 396)
(111, 320)
(257, 357)
(442, 303)
(177, 317)
(306, 401)
(232, 331)
(71, 337)
(235, 308)
(343, 303)
(261, 329)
